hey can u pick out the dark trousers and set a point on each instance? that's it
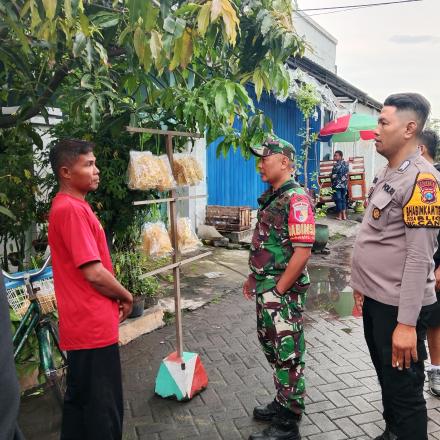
(93, 407)
(340, 199)
(402, 391)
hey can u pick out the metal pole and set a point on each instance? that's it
(176, 270)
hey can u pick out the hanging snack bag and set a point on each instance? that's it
(155, 240)
(187, 170)
(166, 179)
(186, 238)
(146, 171)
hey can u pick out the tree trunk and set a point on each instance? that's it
(306, 154)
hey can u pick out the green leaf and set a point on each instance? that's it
(258, 83)
(124, 33)
(85, 24)
(220, 101)
(155, 44)
(86, 81)
(79, 44)
(203, 18)
(68, 9)
(187, 49)
(230, 92)
(105, 19)
(169, 24)
(50, 6)
(139, 42)
(7, 212)
(180, 27)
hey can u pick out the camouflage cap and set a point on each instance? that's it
(274, 145)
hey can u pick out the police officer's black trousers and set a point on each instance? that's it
(93, 406)
(402, 391)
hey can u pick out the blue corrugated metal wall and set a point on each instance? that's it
(233, 180)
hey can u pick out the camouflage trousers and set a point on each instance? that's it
(281, 334)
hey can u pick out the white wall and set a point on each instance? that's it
(321, 45)
(195, 208)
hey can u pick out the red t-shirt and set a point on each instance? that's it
(87, 319)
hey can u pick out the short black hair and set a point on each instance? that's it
(411, 101)
(430, 139)
(66, 152)
(339, 152)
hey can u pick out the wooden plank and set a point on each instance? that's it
(170, 199)
(173, 265)
(174, 242)
(164, 132)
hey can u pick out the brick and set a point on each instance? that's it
(332, 435)
(347, 425)
(369, 417)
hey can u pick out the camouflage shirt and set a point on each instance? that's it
(283, 224)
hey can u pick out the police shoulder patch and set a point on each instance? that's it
(423, 208)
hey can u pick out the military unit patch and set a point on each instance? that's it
(423, 208)
(300, 211)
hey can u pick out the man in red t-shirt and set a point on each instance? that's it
(91, 302)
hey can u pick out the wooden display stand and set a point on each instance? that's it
(356, 179)
(181, 374)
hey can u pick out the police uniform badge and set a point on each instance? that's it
(376, 213)
(423, 208)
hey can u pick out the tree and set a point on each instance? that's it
(307, 99)
(180, 65)
(185, 59)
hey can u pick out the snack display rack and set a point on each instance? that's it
(181, 374)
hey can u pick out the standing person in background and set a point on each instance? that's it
(339, 178)
(91, 302)
(429, 143)
(392, 272)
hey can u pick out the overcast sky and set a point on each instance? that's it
(386, 49)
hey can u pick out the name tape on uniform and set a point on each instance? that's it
(423, 208)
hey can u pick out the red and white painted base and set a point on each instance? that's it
(181, 377)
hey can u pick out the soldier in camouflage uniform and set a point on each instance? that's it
(280, 248)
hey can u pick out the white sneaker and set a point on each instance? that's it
(434, 382)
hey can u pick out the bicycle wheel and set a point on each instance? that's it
(52, 359)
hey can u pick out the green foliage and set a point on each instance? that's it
(180, 61)
(20, 150)
(129, 266)
(307, 99)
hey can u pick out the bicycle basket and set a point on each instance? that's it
(18, 297)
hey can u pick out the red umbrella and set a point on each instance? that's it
(349, 128)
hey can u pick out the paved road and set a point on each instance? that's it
(343, 394)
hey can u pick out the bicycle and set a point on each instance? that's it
(31, 295)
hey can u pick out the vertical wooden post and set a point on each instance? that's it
(176, 270)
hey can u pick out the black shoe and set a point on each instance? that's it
(267, 412)
(280, 429)
(387, 435)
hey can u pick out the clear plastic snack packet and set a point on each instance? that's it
(187, 169)
(186, 238)
(146, 171)
(156, 240)
(166, 178)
